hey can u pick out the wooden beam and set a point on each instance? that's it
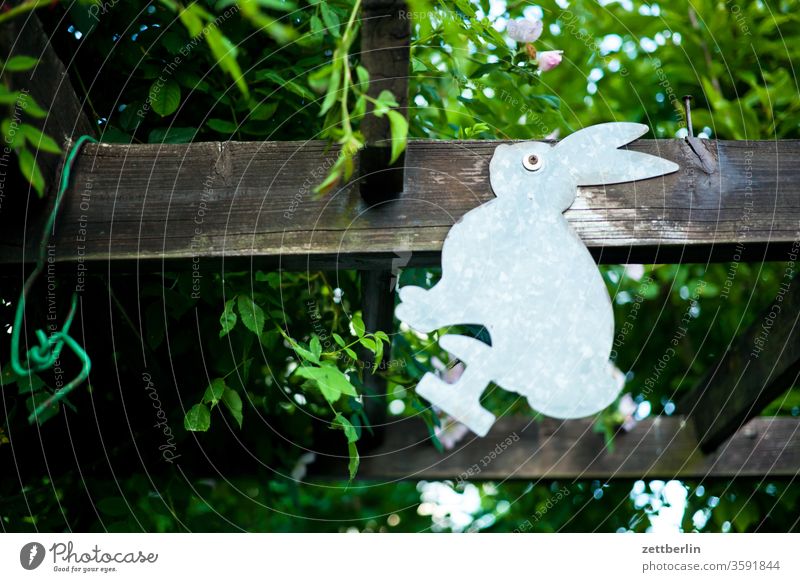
(761, 364)
(520, 448)
(251, 204)
(385, 53)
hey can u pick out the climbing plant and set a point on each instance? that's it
(276, 360)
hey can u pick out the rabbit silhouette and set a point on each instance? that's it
(516, 267)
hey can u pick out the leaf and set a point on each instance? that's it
(44, 415)
(272, 279)
(399, 126)
(39, 140)
(172, 135)
(316, 347)
(132, 116)
(252, 315)
(300, 350)
(280, 32)
(165, 97)
(349, 430)
(333, 90)
(363, 78)
(113, 135)
(31, 171)
(360, 108)
(291, 86)
(214, 392)
(351, 434)
(281, 5)
(338, 339)
(352, 466)
(484, 69)
(233, 402)
(28, 384)
(228, 319)
(263, 111)
(20, 63)
(31, 107)
(225, 53)
(319, 79)
(378, 356)
(358, 325)
(190, 17)
(331, 382)
(197, 419)
(368, 343)
(385, 101)
(222, 126)
(316, 26)
(330, 18)
(8, 97)
(329, 182)
(13, 137)
(173, 42)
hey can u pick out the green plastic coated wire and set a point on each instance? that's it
(43, 356)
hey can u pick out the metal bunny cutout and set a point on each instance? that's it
(515, 266)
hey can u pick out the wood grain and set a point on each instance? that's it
(520, 448)
(252, 204)
(385, 53)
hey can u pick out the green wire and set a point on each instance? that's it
(44, 356)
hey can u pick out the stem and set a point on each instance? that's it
(22, 9)
(236, 367)
(346, 77)
(345, 347)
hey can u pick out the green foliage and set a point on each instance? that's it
(284, 351)
(198, 418)
(346, 100)
(165, 97)
(24, 139)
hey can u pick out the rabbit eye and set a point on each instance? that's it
(532, 162)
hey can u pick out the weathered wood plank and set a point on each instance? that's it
(254, 201)
(385, 51)
(519, 448)
(762, 363)
(386, 54)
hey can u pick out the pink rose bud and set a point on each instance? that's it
(525, 30)
(549, 60)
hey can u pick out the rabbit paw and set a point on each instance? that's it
(451, 399)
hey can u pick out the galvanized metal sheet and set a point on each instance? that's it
(515, 266)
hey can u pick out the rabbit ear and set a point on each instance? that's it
(591, 156)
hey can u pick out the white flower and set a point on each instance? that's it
(525, 30)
